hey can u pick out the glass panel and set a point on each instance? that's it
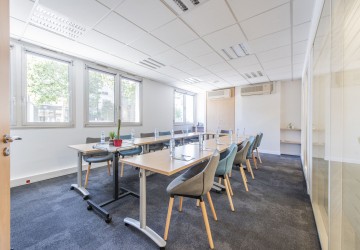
(189, 109)
(47, 89)
(101, 96)
(130, 101)
(179, 107)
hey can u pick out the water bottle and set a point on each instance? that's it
(201, 141)
(244, 133)
(102, 138)
(132, 135)
(196, 129)
(237, 133)
(172, 147)
(231, 135)
(172, 133)
(156, 133)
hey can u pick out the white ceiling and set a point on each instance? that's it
(121, 33)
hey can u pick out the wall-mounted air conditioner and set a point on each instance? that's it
(259, 89)
(219, 94)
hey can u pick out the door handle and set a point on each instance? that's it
(8, 138)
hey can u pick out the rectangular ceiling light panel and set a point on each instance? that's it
(236, 51)
(251, 75)
(192, 80)
(151, 63)
(183, 6)
(48, 19)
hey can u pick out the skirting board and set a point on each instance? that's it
(48, 175)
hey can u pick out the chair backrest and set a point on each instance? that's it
(164, 133)
(226, 163)
(224, 131)
(241, 154)
(177, 132)
(125, 137)
(95, 140)
(259, 142)
(250, 150)
(144, 135)
(257, 138)
(209, 172)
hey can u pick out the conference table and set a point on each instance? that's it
(162, 163)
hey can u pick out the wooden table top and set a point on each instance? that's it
(164, 138)
(161, 162)
(97, 147)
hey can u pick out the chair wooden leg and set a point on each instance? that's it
(207, 225)
(197, 203)
(168, 218)
(219, 180)
(248, 165)
(180, 203)
(211, 205)
(122, 170)
(229, 195)
(230, 188)
(87, 176)
(258, 156)
(244, 178)
(255, 161)
(108, 165)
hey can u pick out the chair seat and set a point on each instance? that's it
(131, 152)
(98, 158)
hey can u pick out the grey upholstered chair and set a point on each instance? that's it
(194, 183)
(96, 158)
(257, 146)
(167, 144)
(250, 154)
(224, 167)
(178, 132)
(253, 147)
(129, 152)
(155, 146)
(240, 159)
(224, 131)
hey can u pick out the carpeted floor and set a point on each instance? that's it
(275, 214)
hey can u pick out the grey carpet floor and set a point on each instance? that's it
(275, 214)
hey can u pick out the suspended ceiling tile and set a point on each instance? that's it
(208, 59)
(85, 12)
(170, 57)
(274, 54)
(245, 9)
(251, 68)
(198, 72)
(21, 9)
(101, 42)
(194, 48)
(244, 62)
(302, 11)
(149, 45)
(209, 17)
(279, 76)
(130, 54)
(17, 28)
(300, 58)
(110, 3)
(225, 38)
(219, 67)
(301, 32)
(119, 28)
(230, 73)
(175, 73)
(282, 70)
(187, 65)
(267, 23)
(300, 47)
(148, 14)
(278, 63)
(271, 41)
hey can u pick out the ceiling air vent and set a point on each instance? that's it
(192, 80)
(182, 6)
(219, 94)
(252, 75)
(46, 18)
(263, 89)
(151, 63)
(236, 51)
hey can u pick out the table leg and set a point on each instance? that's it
(141, 225)
(78, 187)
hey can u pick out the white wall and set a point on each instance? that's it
(201, 108)
(44, 153)
(260, 113)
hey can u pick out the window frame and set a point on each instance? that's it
(184, 94)
(56, 57)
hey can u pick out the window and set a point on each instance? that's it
(130, 101)
(47, 91)
(107, 93)
(183, 108)
(101, 97)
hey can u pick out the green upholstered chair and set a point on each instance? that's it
(129, 152)
(194, 183)
(240, 159)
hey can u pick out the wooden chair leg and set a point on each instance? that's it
(180, 203)
(248, 165)
(258, 156)
(255, 161)
(197, 203)
(229, 195)
(207, 225)
(87, 176)
(230, 188)
(122, 170)
(244, 178)
(168, 218)
(108, 166)
(219, 180)
(211, 205)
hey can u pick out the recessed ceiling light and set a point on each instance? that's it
(254, 74)
(151, 63)
(192, 80)
(236, 51)
(46, 18)
(183, 6)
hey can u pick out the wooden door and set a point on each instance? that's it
(4, 125)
